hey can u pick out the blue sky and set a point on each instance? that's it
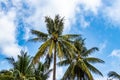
(96, 20)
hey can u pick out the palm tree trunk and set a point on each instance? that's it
(54, 65)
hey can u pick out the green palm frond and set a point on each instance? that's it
(49, 25)
(70, 36)
(66, 50)
(93, 60)
(64, 63)
(47, 73)
(68, 72)
(69, 45)
(41, 51)
(90, 51)
(11, 60)
(60, 51)
(84, 68)
(37, 39)
(40, 36)
(41, 72)
(113, 74)
(39, 33)
(58, 24)
(48, 60)
(51, 47)
(93, 69)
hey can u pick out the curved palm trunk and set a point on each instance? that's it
(54, 65)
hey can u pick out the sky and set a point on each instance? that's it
(96, 20)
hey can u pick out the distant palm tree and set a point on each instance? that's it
(22, 68)
(54, 41)
(6, 75)
(113, 75)
(79, 66)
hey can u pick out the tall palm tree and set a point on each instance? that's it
(80, 66)
(113, 75)
(22, 68)
(55, 43)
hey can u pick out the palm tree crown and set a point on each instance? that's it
(22, 68)
(54, 41)
(79, 66)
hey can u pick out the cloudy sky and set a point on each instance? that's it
(96, 20)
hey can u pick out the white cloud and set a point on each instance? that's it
(116, 53)
(102, 46)
(66, 8)
(8, 43)
(91, 5)
(84, 23)
(27, 32)
(112, 13)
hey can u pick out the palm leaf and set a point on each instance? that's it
(64, 63)
(70, 36)
(93, 69)
(83, 66)
(41, 51)
(11, 60)
(39, 33)
(93, 60)
(60, 51)
(51, 48)
(88, 52)
(68, 72)
(49, 25)
(58, 24)
(69, 45)
(113, 75)
(48, 60)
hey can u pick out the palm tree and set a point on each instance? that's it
(114, 75)
(41, 72)
(22, 68)
(55, 43)
(6, 75)
(79, 66)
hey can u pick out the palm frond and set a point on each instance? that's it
(64, 62)
(11, 60)
(68, 72)
(40, 36)
(93, 69)
(51, 47)
(84, 68)
(48, 60)
(70, 36)
(90, 51)
(113, 75)
(66, 50)
(49, 25)
(48, 73)
(41, 51)
(69, 45)
(58, 24)
(60, 51)
(93, 60)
